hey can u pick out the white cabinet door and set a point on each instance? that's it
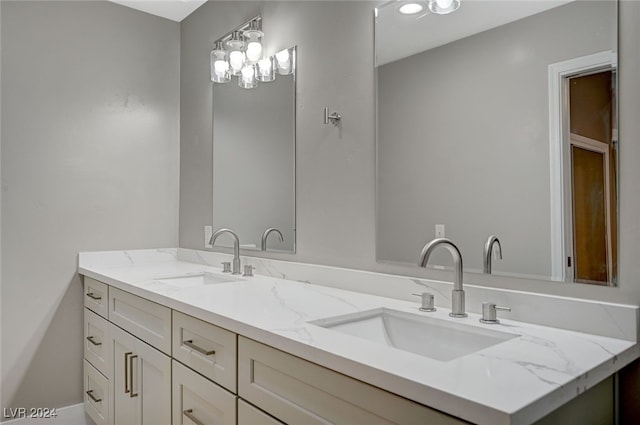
(122, 346)
(196, 400)
(96, 342)
(141, 381)
(96, 401)
(152, 382)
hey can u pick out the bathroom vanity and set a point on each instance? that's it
(169, 338)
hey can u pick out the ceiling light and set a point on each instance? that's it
(410, 8)
(442, 7)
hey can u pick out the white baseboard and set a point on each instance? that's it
(68, 415)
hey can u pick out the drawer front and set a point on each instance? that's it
(145, 319)
(96, 395)
(206, 348)
(96, 342)
(96, 296)
(297, 391)
(249, 415)
(199, 401)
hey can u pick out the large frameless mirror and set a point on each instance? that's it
(499, 119)
(254, 146)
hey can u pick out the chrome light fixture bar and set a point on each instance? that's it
(240, 53)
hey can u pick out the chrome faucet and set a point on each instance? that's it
(457, 294)
(236, 247)
(266, 233)
(488, 250)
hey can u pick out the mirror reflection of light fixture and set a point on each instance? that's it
(254, 42)
(442, 7)
(220, 65)
(236, 46)
(240, 54)
(284, 62)
(411, 8)
(247, 78)
(267, 69)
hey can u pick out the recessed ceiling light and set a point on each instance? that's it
(410, 8)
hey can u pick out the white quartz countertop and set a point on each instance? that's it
(515, 382)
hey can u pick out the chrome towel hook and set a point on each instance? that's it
(334, 117)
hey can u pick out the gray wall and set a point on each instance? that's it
(464, 139)
(336, 167)
(90, 145)
(254, 161)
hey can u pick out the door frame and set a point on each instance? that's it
(558, 152)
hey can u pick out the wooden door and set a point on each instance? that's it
(590, 218)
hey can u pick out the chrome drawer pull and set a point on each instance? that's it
(93, 296)
(132, 395)
(200, 350)
(90, 339)
(189, 414)
(92, 397)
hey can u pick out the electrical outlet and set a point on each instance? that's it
(439, 230)
(208, 231)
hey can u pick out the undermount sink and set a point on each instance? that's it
(195, 279)
(438, 339)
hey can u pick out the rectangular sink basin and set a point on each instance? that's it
(196, 279)
(438, 339)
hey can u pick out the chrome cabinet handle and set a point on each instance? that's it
(90, 339)
(200, 350)
(92, 397)
(93, 296)
(132, 395)
(189, 414)
(126, 371)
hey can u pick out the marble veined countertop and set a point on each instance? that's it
(515, 382)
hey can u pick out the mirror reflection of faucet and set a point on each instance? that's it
(457, 294)
(236, 247)
(488, 251)
(427, 301)
(266, 234)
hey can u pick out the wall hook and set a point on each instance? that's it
(334, 117)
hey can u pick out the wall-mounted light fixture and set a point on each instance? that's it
(240, 53)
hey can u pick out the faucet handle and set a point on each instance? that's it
(226, 266)
(427, 301)
(490, 313)
(248, 270)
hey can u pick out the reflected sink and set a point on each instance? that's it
(437, 339)
(195, 279)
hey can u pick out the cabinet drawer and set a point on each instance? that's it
(297, 391)
(197, 400)
(206, 348)
(145, 319)
(96, 296)
(249, 415)
(96, 395)
(96, 342)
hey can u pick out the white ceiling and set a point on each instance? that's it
(399, 36)
(176, 10)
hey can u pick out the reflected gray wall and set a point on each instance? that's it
(336, 169)
(335, 166)
(254, 161)
(90, 145)
(463, 139)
